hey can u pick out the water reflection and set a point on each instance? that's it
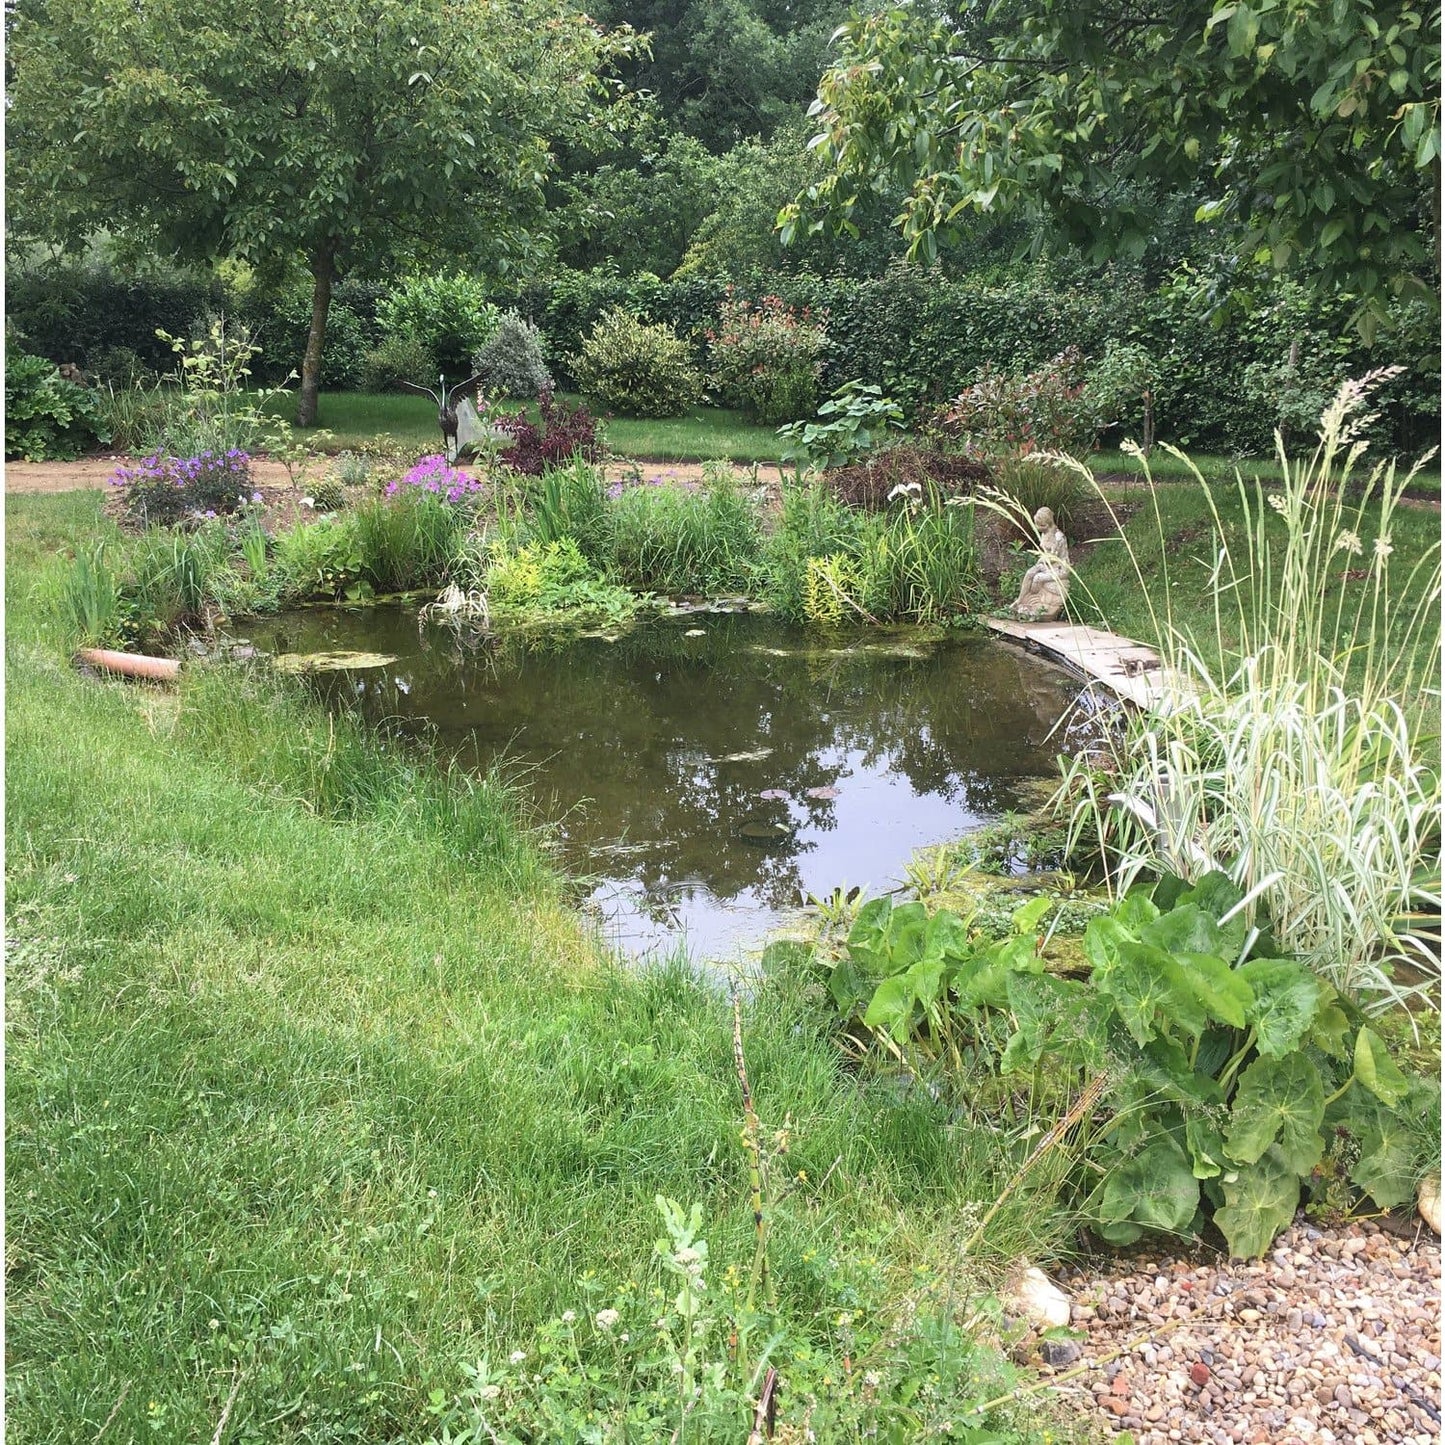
(654, 754)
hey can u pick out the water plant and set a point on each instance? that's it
(408, 538)
(1299, 761)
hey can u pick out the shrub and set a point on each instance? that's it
(159, 491)
(561, 434)
(637, 369)
(766, 358)
(1041, 410)
(47, 418)
(511, 363)
(851, 423)
(319, 559)
(448, 315)
(396, 359)
(871, 483)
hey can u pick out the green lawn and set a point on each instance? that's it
(705, 434)
(317, 1090)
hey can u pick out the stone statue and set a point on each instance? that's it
(1045, 586)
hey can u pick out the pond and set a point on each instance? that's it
(702, 774)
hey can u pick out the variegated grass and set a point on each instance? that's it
(1293, 754)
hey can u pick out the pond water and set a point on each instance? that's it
(702, 773)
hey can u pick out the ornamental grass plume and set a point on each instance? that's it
(1298, 764)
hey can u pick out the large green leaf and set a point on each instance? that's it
(1223, 992)
(1206, 1146)
(1279, 1100)
(1377, 1071)
(1287, 996)
(898, 997)
(1155, 1189)
(1054, 1014)
(1185, 929)
(1387, 1169)
(1260, 1201)
(1148, 987)
(1330, 1031)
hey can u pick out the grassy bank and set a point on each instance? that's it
(317, 1091)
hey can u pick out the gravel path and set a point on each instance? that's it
(1333, 1337)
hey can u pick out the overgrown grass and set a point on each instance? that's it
(1113, 463)
(316, 1089)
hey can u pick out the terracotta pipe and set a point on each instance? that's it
(130, 664)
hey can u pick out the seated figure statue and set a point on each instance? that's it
(1045, 586)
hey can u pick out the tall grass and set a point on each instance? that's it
(92, 597)
(408, 540)
(1291, 754)
(672, 540)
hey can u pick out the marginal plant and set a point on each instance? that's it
(1222, 1071)
(1300, 763)
(91, 596)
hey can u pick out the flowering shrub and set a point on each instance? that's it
(436, 474)
(766, 358)
(564, 433)
(161, 490)
(1041, 410)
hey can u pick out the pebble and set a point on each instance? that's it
(1332, 1339)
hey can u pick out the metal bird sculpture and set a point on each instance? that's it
(446, 408)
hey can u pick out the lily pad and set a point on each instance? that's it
(756, 830)
(337, 661)
(819, 793)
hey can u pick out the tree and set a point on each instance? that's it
(1311, 128)
(343, 131)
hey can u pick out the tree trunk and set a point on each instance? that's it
(323, 268)
(1148, 421)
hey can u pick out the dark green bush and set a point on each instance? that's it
(396, 359)
(46, 418)
(637, 369)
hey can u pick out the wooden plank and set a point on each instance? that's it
(1127, 668)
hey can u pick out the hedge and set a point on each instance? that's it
(919, 334)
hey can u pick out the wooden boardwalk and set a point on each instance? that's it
(1126, 668)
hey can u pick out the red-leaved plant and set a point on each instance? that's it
(765, 357)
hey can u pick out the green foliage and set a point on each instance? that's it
(629, 366)
(511, 364)
(328, 496)
(1315, 133)
(407, 540)
(320, 559)
(814, 526)
(765, 358)
(551, 580)
(849, 425)
(1209, 1067)
(92, 597)
(1033, 483)
(675, 541)
(47, 418)
(401, 357)
(359, 130)
(449, 315)
(1295, 756)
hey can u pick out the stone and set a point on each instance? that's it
(1428, 1200)
(1045, 587)
(1033, 1296)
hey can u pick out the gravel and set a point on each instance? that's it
(1333, 1337)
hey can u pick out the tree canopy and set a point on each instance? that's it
(339, 131)
(1308, 130)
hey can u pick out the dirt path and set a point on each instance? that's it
(93, 473)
